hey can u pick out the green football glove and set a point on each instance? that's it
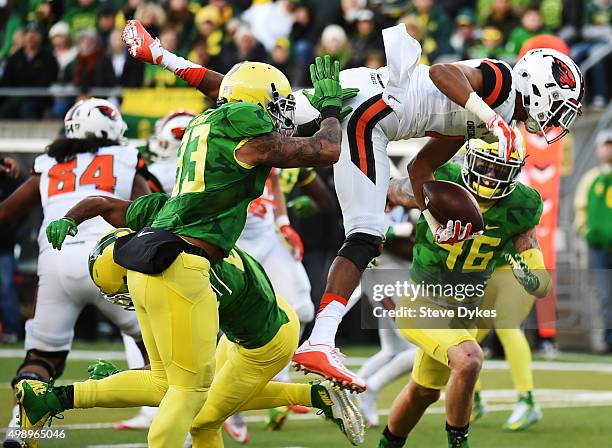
(303, 206)
(347, 94)
(101, 369)
(58, 229)
(522, 273)
(326, 82)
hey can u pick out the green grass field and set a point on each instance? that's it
(575, 393)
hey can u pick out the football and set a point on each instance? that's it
(447, 200)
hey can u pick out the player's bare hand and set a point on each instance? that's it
(9, 167)
(506, 135)
(58, 230)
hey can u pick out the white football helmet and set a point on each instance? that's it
(166, 139)
(552, 87)
(95, 117)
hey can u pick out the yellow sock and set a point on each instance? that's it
(124, 389)
(173, 420)
(276, 394)
(518, 355)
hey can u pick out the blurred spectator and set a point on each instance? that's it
(30, 66)
(247, 47)
(63, 50)
(335, 43)
(279, 57)
(207, 22)
(429, 47)
(226, 12)
(116, 67)
(351, 9)
(128, 11)
(531, 25)
(199, 53)
(374, 59)
(82, 71)
(106, 24)
(552, 13)
(81, 15)
(466, 36)
(303, 38)
(269, 21)
(10, 23)
(65, 53)
(490, 45)
(454, 7)
(179, 17)
(597, 34)
(365, 38)
(436, 24)
(502, 17)
(158, 76)
(390, 11)
(152, 17)
(9, 305)
(593, 218)
(322, 13)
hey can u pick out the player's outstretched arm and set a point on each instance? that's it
(143, 47)
(21, 200)
(113, 211)
(528, 264)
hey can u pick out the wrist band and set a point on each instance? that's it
(330, 112)
(282, 220)
(478, 107)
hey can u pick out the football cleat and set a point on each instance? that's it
(277, 418)
(298, 409)
(38, 404)
(327, 361)
(337, 406)
(140, 44)
(479, 408)
(140, 421)
(236, 428)
(367, 406)
(525, 414)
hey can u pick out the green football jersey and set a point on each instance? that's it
(248, 312)
(473, 261)
(213, 189)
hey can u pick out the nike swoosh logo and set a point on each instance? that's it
(143, 234)
(491, 227)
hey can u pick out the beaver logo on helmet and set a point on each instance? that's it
(563, 74)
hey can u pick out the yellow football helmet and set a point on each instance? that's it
(263, 84)
(485, 173)
(110, 277)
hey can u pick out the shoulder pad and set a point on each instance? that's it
(239, 120)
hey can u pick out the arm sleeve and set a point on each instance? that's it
(496, 82)
(142, 212)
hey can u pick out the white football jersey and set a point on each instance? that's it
(108, 172)
(165, 172)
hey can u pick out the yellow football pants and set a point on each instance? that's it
(177, 313)
(242, 380)
(513, 304)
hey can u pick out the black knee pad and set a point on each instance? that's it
(361, 248)
(53, 362)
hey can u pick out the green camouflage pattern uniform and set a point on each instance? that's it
(474, 261)
(212, 189)
(248, 312)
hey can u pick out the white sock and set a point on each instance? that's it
(173, 62)
(326, 324)
(400, 364)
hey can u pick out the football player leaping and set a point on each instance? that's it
(449, 355)
(163, 146)
(448, 102)
(93, 160)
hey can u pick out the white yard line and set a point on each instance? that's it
(546, 399)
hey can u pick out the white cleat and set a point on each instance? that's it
(236, 428)
(140, 421)
(13, 442)
(369, 410)
(340, 409)
(328, 362)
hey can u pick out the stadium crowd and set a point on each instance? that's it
(77, 42)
